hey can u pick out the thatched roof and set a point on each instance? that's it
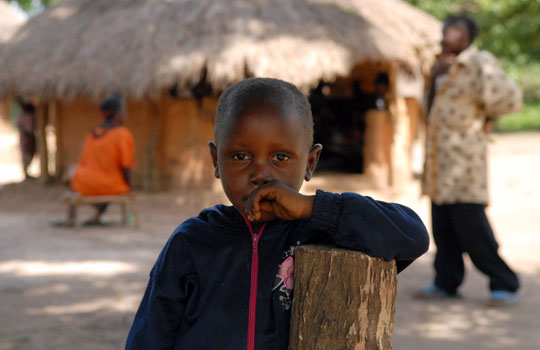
(139, 47)
(10, 20)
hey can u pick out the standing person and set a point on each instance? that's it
(27, 138)
(107, 157)
(468, 90)
(219, 282)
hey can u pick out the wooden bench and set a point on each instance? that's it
(73, 199)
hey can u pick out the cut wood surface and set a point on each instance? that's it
(342, 300)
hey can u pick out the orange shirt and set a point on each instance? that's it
(99, 171)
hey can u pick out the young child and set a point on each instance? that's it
(224, 278)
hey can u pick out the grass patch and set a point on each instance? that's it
(528, 119)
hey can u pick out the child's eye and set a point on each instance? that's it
(281, 157)
(240, 156)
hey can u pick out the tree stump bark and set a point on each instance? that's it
(342, 300)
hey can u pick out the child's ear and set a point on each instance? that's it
(213, 153)
(313, 159)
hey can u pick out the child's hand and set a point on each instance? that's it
(275, 199)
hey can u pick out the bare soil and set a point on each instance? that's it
(79, 289)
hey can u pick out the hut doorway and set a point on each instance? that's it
(342, 111)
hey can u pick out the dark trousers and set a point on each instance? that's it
(464, 228)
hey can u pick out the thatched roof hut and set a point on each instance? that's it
(85, 49)
(10, 20)
(140, 46)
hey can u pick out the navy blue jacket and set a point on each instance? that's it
(199, 289)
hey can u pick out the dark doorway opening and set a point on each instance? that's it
(340, 124)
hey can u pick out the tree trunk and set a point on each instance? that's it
(342, 300)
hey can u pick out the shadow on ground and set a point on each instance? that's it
(63, 289)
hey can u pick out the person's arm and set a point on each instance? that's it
(127, 176)
(383, 230)
(498, 94)
(173, 281)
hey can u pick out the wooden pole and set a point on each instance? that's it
(41, 138)
(342, 300)
(377, 148)
(54, 120)
(149, 178)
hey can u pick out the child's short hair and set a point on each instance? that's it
(250, 93)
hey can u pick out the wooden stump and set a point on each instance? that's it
(342, 300)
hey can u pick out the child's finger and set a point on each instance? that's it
(265, 207)
(253, 204)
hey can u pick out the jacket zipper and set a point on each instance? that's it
(254, 283)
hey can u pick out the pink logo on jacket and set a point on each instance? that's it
(286, 272)
(284, 282)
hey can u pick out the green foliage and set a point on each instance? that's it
(30, 6)
(442, 8)
(528, 77)
(528, 119)
(508, 29)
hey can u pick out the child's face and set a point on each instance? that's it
(262, 145)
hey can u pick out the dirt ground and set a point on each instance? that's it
(78, 289)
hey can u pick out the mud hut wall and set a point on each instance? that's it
(141, 118)
(415, 114)
(73, 119)
(401, 157)
(181, 155)
(183, 150)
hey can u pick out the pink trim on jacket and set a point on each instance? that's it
(254, 283)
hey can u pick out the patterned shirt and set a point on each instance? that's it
(475, 88)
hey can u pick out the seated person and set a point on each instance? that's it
(107, 157)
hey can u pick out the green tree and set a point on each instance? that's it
(30, 6)
(508, 29)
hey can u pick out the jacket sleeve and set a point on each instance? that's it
(383, 230)
(498, 93)
(173, 282)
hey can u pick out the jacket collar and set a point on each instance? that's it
(230, 219)
(466, 56)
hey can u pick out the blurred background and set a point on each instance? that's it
(364, 66)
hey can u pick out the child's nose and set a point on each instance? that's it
(260, 175)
